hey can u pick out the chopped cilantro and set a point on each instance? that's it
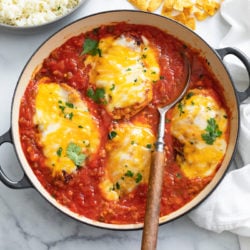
(112, 134)
(112, 87)
(69, 105)
(97, 95)
(138, 177)
(69, 116)
(62, 107)
(74, 153)
(149, 146)
(59, 151)
(212, 131)
(129, 173)
(90, 47)
(180, 107)
(189, 95)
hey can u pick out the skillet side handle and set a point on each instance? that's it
(245, 60)
(21, 184)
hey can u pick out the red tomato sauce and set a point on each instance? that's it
(80, 192)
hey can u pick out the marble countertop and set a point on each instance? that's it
(27, 221)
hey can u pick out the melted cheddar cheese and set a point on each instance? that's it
(190, 123)
(126, 70)
(128, 161)
(67, 130)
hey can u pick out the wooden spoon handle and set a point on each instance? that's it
(151, 221)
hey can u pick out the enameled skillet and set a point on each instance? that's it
(215, 60)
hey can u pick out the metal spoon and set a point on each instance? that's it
(151, 221)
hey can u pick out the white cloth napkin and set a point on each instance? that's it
(228, 207)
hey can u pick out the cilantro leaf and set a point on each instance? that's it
(90, 47)
(189, 95)
(59, 151)
(112, 135)
(74, 153)
(212, 132)
(129, 173)
(97, 95)
(180, 107)
(138, 177)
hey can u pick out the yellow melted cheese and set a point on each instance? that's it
(128, 162)
(189, 122)
(126, 71)
(63, 118)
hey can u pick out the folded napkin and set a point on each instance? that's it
(228, 207)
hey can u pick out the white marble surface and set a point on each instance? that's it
(27, 221)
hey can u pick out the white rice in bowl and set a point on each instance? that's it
(33, 12)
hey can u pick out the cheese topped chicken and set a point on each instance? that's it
(69, 134)
(200, 124)
(128, 159)
(125, 70)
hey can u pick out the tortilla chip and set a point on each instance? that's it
(154, 5)
(200, 15)
(181, 4)
(211, 8)
(168, 5)
(183, 11)
(146, 5)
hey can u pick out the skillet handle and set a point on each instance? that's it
(245, 60)
(21, 184)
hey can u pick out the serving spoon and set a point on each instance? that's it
(151, 220)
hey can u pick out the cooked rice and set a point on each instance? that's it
(33, 12)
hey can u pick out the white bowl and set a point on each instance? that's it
(4, 26)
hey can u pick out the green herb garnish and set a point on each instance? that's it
(129, 173)
(74, 152)
(62, 107)
(59, 151)
(112, 87)
(90, 47)
(112, 134)
(212, 131)
(69, 116)
(138, 177)
(69, 105)
(97, 95)
(180, 107)
(189, 95)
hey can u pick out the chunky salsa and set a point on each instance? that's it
(69, 67)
